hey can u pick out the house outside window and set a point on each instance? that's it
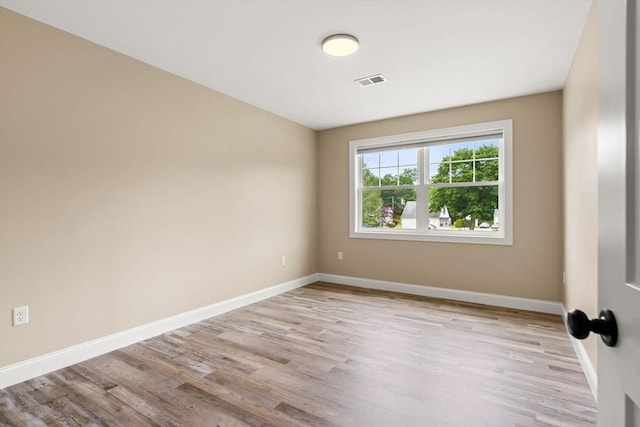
(443, 185)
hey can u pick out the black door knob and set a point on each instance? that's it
(579, 326)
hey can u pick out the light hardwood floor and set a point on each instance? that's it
(326, 355)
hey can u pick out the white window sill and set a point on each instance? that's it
(475, 237)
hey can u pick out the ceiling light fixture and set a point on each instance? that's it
(340, 45)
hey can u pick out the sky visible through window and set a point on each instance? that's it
(394, 162)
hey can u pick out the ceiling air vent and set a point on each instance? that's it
(370, 81)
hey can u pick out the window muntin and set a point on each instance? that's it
(445, 185)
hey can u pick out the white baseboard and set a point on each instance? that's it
(41, 365)
(540, 306)
(585, 362)
(22, 371)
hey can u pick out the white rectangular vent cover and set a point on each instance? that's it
(370, 81)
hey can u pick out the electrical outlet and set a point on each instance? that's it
(283, 261)
(21, 315)
(340, 255)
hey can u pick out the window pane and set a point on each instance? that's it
(408, 157)
(462, 151)
(487, 170)
(371, 205)
(370, 177)
(437, 153)
(408, 176)
(461, 171)
(371, 160)
(388, 158)
(468, 208)
(487, 149)
(439, 173)
(389, 209)
(389, 176)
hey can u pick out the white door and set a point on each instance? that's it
(619, 211)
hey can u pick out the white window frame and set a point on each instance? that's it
(504, 235)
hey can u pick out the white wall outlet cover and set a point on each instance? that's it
(20, 315)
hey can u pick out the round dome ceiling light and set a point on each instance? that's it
(340, 45)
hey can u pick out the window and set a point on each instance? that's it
(445, 185)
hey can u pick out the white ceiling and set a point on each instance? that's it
(435, 54)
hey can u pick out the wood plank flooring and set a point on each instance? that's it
(326, 355)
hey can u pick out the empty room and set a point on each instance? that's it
(319, 213)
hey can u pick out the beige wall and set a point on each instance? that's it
(580, 113)
(128, 194)
(531, 268)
